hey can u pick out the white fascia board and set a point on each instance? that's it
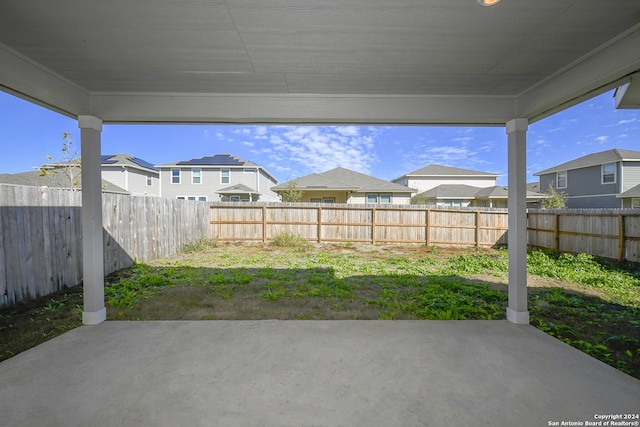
(29, 80)
(295, 108)
(603, 69)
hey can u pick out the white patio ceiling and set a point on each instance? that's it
(311, 61)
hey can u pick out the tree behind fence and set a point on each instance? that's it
(41, 236)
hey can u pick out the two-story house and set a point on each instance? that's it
(433, 175)
(221, 177)
(598, 180)
(133, 174)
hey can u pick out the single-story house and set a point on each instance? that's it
(342, 185)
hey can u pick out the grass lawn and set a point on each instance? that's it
(591, 306)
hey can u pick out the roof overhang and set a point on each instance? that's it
(228, 61)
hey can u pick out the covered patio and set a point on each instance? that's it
(304, 373)
(431, 62)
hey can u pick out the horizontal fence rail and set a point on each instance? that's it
(352, 223)
(41, 231)
(41, 236)
(604, 233)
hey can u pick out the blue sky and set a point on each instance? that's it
(30, 133)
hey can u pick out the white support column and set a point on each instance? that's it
(92, 246)
(517, 311)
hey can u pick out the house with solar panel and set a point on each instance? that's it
(221, 177)
(134, 175)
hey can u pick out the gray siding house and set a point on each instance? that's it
(221, 177)
(131, 173)
(598, 180)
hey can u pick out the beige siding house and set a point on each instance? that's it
(221, 177)
(133, 174)
(342, 185)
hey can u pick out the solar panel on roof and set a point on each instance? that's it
(142, 163)
(218, 159)
(105, 159)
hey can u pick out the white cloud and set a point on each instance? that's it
(625, 121)
(320, 148)
(602, 139)
(248, 143)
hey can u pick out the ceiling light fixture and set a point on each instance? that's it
(488, 2)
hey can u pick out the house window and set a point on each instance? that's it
(561, 179)
(175, 176)
(313, 200)
(635, 203)
(149, 180)
(249, 170)
(193, 198)
(329, 200)
(224, 176)
(385, 199)
(196, 176)
(609, 173)
(234, 198)
(372, 199)
(202, 198)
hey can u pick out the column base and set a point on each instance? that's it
(518, 317)
(94, 317)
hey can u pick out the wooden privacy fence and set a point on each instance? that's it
(41, 236)
(604, 233)
(349, 223)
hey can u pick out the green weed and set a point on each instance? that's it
(289, 240)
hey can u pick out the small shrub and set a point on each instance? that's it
(289, 240)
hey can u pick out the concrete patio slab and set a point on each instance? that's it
(309, 373)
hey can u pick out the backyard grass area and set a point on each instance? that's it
(592, 306)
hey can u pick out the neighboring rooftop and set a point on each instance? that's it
(224, 159)
(440, 170)
(127, 160)
(632, 192)
(36, 179)
(595, 159)
(344, 179)
(462, 191)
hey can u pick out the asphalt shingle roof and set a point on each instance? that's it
(344, 179)
(440, 170)
(215, 160)
(33, 179)
(462, 191)
(236, 189)
(594, 159)
(632, 192)
(127, 160)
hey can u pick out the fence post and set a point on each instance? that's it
(477, 229)
(264, 224)
(319, 224)
(426, 227)
(373, 226)
(556, 234)
(621, 238)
